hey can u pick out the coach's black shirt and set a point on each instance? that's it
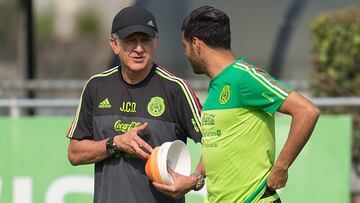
(109, 106)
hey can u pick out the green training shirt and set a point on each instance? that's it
(238, 132)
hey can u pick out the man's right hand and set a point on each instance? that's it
(131, 143)
(180, 186)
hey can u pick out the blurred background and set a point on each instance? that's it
(49, 48)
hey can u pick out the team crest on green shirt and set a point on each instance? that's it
(225, 95)
(156, 106)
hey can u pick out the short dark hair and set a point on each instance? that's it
(210, 25)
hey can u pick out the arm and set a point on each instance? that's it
(200, 168)
(89, 151)
(182, 184)
(304, 117)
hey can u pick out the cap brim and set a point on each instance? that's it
(136, 28)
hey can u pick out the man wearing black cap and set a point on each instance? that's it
(126, 111)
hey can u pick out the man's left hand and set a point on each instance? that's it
(277, 178)
(181, 185)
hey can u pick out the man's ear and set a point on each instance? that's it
(196, 43)
(114, 45)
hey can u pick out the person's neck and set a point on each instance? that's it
(135, 77)
(218, 60)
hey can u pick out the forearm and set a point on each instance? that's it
(200, 168)
(87, 151)
(302, 125)
(298, 136)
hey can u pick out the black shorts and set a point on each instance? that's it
(271, 196)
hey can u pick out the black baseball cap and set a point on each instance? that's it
(134, 19)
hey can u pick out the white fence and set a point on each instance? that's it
(15, 105)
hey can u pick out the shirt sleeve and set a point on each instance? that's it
(81, 126)
(188, 110)
(262, 91)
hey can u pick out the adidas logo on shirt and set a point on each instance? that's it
(105, 104)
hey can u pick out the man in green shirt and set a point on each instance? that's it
(238, 116)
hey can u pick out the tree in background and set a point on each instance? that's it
(336, 60)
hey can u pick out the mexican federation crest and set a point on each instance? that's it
(156, 106)
(225, 94)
